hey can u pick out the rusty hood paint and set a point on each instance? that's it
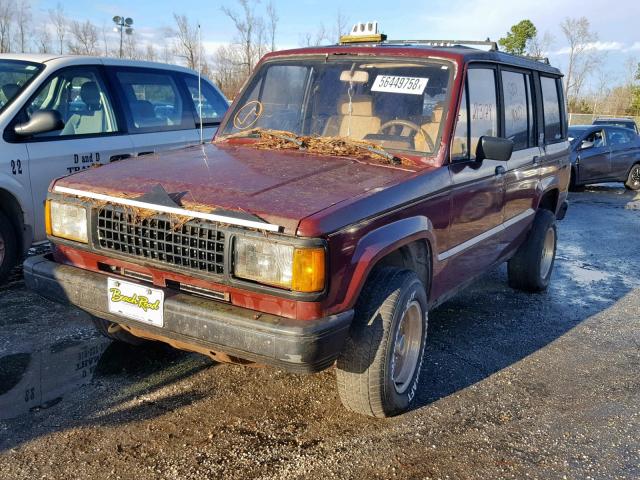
(280, 187)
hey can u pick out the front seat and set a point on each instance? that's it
(9, 90)
(431, 129)
(359, 124)
(92, 118)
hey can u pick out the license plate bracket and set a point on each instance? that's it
(135, 301)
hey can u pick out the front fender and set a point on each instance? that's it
(378, 243)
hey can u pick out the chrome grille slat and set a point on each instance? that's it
(196, 245)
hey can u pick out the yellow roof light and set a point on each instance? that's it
(363, 33)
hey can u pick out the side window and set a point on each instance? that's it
(517, 109)
(81, 98)
(482, 106)
(154, 101)
(596, 138)
(619, 137)
(212, 104)
(551, 109)
(460, 144)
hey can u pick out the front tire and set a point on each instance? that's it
(531, 266)
(633, 180)
(8, 247)
(378, 370)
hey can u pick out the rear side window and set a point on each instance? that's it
(154, 101)
(619, 137)
(212, 104)
(518, 113)
(551, 109)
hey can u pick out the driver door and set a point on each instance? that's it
(90, 135)
(594, 157)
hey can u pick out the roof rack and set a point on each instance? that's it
(449, 43)
(544, 60)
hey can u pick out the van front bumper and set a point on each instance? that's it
(301, 346)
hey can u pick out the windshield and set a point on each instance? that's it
(14, 76)
(398, 105)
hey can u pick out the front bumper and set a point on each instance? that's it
(295, 345)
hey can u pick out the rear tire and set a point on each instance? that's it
(633, 180)
(378, 370)
(531, 266)
(8, 248)
(114, 332)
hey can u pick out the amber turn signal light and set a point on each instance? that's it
(47, 217)
(308, 270)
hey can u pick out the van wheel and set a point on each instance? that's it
(115, 332)
(8, 248)
(531, 266)
(633, 181)
(378, 370)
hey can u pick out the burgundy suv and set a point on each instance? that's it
(349, 190)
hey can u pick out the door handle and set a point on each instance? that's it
(122, 156)
(536, 160)
(500, 170)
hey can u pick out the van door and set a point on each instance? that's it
(478, 186)
(522, 170)
(91, 134)
(157, 110)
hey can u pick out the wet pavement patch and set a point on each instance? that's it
(30, 380)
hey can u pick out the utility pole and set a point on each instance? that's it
(124, 26)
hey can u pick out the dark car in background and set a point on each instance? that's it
(618, 122)
(604, 153)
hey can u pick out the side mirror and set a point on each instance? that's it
(586, 144)
(494, 148)
(41, 121)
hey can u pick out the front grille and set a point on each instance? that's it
(195, 245)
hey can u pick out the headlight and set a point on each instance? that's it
(280, 265)
(66, 220)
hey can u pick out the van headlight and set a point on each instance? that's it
(280, 265)
(66, 220)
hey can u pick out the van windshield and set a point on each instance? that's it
(14, 77)
(398, 105)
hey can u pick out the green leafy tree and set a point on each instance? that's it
(518, 37)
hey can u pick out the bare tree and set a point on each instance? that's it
(273, 19)
(316, 38)
(186, 46)
(43, 40)
(60, 23)
(23, 22)
(230, 72)
(245, 23)
(84, 38)
(342, 25)
(6, 19)
(539, 46)
(105, 39)
(582, 60)
(150, 53)
(130, 47)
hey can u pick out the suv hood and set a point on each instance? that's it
(280, 187)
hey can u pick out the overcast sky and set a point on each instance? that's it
(617, 22)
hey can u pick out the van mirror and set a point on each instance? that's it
(494, 148)
(42, 121)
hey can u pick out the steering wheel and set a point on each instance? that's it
(412, 126)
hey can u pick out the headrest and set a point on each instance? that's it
(436, 114)
(9, 90)
(361, 106)
(90, 94)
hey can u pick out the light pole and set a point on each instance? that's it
(124, 25)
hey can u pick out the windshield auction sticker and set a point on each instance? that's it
(397, 84)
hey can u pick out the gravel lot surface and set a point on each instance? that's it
(514, 386)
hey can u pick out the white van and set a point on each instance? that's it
(62, 114)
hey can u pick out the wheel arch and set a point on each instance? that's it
(10, 206)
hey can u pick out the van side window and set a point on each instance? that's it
(518, 115)
(212, 103)
(482, 106)
(551, 109)
(154, 101)
(79, 95)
